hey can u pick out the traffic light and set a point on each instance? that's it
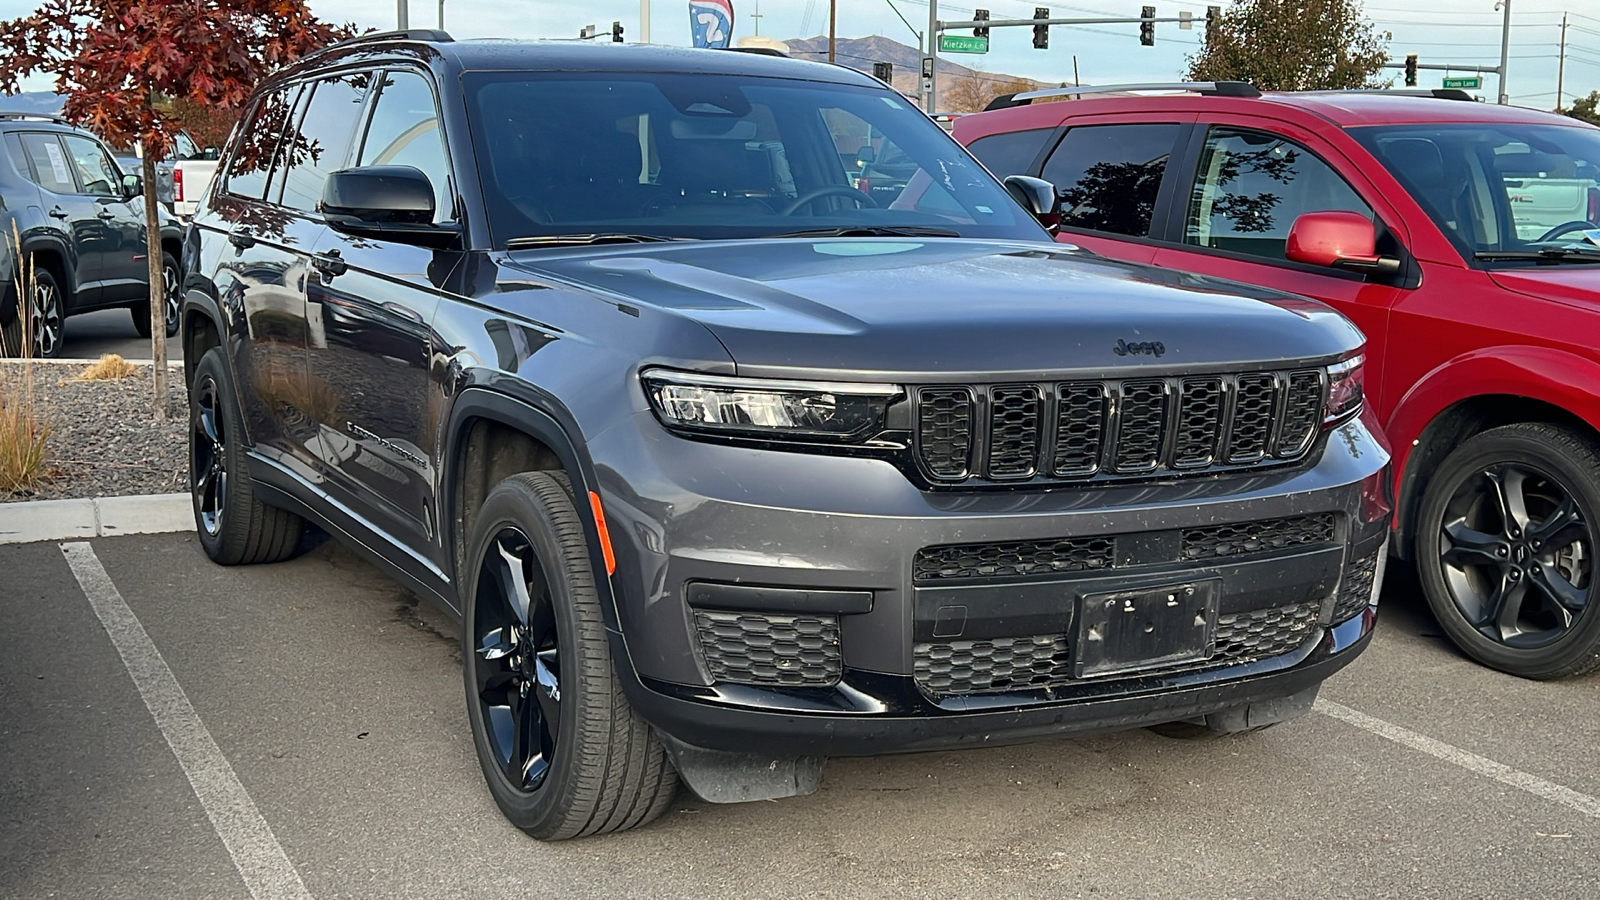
(980, 15)
(1411, 70)
(616, 32)
(1147, 26)
(1213, 17)
(884, 72)
(1041, 33)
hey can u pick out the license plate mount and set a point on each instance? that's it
(1147, 628)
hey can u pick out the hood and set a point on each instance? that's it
(1574, 284)
(942, 309)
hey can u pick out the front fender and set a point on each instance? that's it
(1553, 376)
(1557, 377)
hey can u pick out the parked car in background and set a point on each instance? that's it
(81, 222)
(1463, 238)
(186, 152)
(728, 466)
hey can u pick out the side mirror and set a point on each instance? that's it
(132, 186)
(1038, 197)
(392, 203)
(866, 155)
(1341, 240)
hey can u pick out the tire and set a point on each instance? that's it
(1507, 534)
(234, 527)
(601, 769)
(37, 327)
(171, 279)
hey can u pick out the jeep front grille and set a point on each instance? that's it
(1141, 427)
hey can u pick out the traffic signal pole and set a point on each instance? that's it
(930, 63)
(1505, 50)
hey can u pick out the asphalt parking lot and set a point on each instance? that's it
(89, 335)
(317, 707)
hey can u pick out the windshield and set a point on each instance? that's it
(709, 156)
(1498, 189)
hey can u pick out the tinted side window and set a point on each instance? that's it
(405, 132)
(258, 142)
(322, 142)
(1250, 188)
(96, 172)
(50, 167)
(1012, 153)
(1108, 175)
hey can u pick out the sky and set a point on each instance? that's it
(1465, 32)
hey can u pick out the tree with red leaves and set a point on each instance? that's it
(115, 60)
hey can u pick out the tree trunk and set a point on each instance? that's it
(158, 300)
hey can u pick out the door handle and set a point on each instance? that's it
(330, 264)
(242, 238)
(58, 213)
(105, 214)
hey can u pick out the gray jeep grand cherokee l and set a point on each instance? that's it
(729, 462)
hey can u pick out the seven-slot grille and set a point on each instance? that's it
(1117, 428)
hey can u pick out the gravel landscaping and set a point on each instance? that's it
(105, 441)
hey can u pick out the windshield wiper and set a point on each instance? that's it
(555, 240)
(872, 231)
(1544, 255)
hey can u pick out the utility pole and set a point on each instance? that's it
(403, 14)
(644, 21)
(1561, 69)
(1505, 51)
(833, 23)
(755, 18)
(930, 63)
(441, 15)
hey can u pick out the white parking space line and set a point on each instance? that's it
(262, 864)
(1472, 762)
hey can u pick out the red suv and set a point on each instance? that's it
(1464, 239)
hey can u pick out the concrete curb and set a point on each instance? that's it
(60, 520)
(171, 363)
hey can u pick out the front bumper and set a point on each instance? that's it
(932, 659)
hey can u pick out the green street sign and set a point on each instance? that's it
(960, 43)
(1470, 83)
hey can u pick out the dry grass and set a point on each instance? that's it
(109, 368)
(24, 428)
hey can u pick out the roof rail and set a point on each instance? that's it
(433, 35)
(1436, 93)
(18, 114)
(1212, 88)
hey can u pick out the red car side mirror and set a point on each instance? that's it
(1344, 240)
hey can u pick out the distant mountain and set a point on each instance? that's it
(33, 102)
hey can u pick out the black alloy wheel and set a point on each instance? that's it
(46, 317)
(208, 470)
(233, 525)
(172, 300)
(517, 660)
(1508, 531)
(562, 752)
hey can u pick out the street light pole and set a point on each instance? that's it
(644, 21)
(402, 14)
(931, 61)
(1505, 51)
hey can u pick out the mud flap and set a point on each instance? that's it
(1262, 713)
(721, 777)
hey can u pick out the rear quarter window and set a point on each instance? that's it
(1011, 153)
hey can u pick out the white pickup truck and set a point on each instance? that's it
(1546, 191)
(182, 178)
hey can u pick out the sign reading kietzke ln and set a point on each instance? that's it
(961, 43)
(1469, 82)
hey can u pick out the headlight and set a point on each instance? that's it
(1345, 381)
(775, 410)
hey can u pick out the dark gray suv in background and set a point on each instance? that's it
(80, 222)
(729, 465)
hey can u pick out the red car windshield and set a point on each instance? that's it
(1499, 188)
